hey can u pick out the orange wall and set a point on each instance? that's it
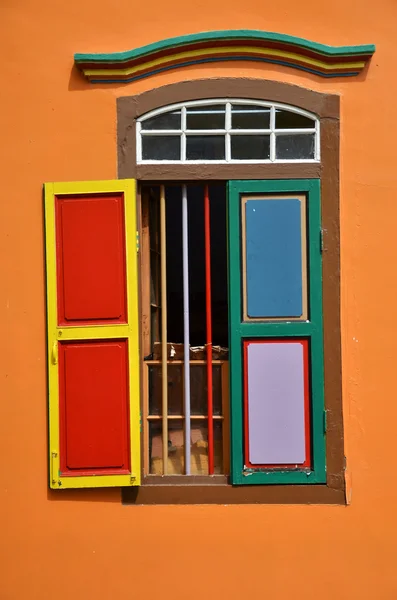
(55, 127)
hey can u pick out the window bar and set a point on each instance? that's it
(272, 135)
(139, 141)
(183, 134)
(317, 140)
(186, 332)
(228, 126)
(207, 233)
(164, 373)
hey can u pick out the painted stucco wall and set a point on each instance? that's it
(56, 127)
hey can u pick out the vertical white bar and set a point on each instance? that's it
(272, 135)
(183, 136)
(317, 155)
(138, 142)
(228, 126)
(186, 332)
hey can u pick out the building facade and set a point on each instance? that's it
(198, 353)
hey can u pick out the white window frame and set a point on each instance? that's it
(182, 132)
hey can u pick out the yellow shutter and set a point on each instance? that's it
(93, 334)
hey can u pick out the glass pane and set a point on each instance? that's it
(176, 449)
(290, 120)
(161, 147)
(218, 448)
(250, 117)
(205, 117)
(154, 223)
(155, 324)
(250, 147)
(175, 390)
(169, 120)
(198, 390)
(199, 448)
(205, 147)
(289, 147)
(154, 278)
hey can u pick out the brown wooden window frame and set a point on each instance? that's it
(216, 490)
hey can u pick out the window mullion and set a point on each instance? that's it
(183, 135)
(138, 142)
(317, 141)
(228, 126)
(272, 134)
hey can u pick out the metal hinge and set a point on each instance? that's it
(137, 241)
(325, 421)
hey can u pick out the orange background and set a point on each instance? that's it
(56, 127)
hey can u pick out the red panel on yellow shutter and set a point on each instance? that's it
(93, 407)
(91, 268)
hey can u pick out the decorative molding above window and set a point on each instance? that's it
(228, 131)
(221, 46)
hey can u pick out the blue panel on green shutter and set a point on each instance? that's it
(274, 258)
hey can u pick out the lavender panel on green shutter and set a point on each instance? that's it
(273, 258)
(276, 403)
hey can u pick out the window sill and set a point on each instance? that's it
(216, 490)
(185, 480)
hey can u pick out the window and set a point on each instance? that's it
(274, 316)
(227, 271)
(226, 132)
(225, 263)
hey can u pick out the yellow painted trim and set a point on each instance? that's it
(97, 481)
(133, 322)
(93, 332)
(128, 331)
(53, 386)
(226, 50)
(91, 187)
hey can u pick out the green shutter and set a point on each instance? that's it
(309, 329)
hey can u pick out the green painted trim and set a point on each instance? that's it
(317, 341)
(235, 350)
(219, 36)
(256, 329)
(312, 330)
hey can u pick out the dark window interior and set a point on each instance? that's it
(217, 194)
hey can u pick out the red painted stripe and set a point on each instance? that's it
(207, 233)
(91, 263)
(245, 403)
(307, 463)
(93, 407)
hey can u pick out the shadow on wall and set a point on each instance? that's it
(85, 495)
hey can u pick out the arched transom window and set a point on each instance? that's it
(228, 131)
